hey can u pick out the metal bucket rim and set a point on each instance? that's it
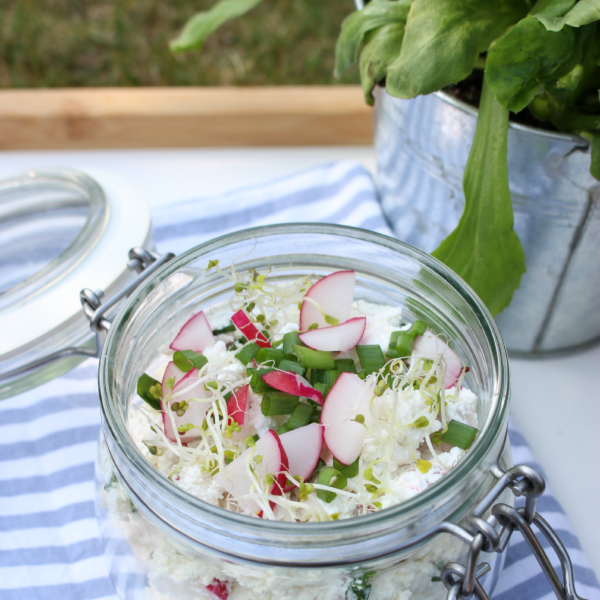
(543, 133)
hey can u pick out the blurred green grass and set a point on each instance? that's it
(86, 43)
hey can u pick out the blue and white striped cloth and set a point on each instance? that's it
(49, 540)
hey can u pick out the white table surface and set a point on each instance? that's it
(555, 403)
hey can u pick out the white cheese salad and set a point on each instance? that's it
(308, 406)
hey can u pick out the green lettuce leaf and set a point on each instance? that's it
(202, 24)
(595, 167)
(519, 63)
(382, 47)
(354, 28)
(555, 14)
(443, 39)
(484, 248)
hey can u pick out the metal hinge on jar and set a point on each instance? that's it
(493, 533)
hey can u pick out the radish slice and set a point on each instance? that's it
(219, 589)
(334, 294)
(430, 346)
(242, 321)
(303, 448)
(348, 397)
(235, 479)
(237, 405)
(195, 335)
(189, 387)
(339, 338)
(292, 383)
(172, 372)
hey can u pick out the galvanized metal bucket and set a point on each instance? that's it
(422, 148)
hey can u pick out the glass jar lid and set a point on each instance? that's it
(60, 231)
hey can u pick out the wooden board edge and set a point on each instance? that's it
(183, 117)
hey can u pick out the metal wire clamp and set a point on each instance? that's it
(492, 534)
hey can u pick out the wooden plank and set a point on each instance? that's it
(183, 117)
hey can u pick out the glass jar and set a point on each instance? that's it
(163, 543)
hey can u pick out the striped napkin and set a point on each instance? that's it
(49, 539)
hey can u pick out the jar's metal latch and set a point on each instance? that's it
(143, 262)
(492, 534)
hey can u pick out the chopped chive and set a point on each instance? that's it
(405, 343)
(371, 357)
(300, 416)
(314, 359)
(348, 470)
(317, 376)
(269, 354)
(247, 353)
(258, 384)
(331, 377)
(290, 365)
(323, 388)
(393, 353)
(278, 403)
(332, 478)
(145, 382)
(277, 343)
(186, 360)
(361, 586)
(394, 339)
(345, 365)
(460, 435)
(418, 328)
(226, 329)
(291, 339)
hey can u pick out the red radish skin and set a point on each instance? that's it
(188, 387)
(430, 346)
(303, 448)
(237, 405)
(334, 294)
(234, 477)
(348, 397)
(219, 588)
(292, 383)
(172, 372)
(195, 335)
(242, 321)
(339, 338)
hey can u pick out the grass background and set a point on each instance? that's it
(74, 43)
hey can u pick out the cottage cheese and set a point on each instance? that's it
(175, 574)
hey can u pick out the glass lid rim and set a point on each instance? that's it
(96, 201)
(452, 480)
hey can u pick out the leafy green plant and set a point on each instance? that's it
(543, 56)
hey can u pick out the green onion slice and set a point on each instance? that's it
(258, 384)
(278, 403)
(460, 435)
(291, 366)
(314, 359)
(331, 377)
(371, 357)
(323, 388)
(186, 360)
(226, 329)
(145, 382)
(345, 365)
(301, 416)
(332, 478)
(274, 355)
(248, 353)
(418, 328)
(348, 470)
(289, 340)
